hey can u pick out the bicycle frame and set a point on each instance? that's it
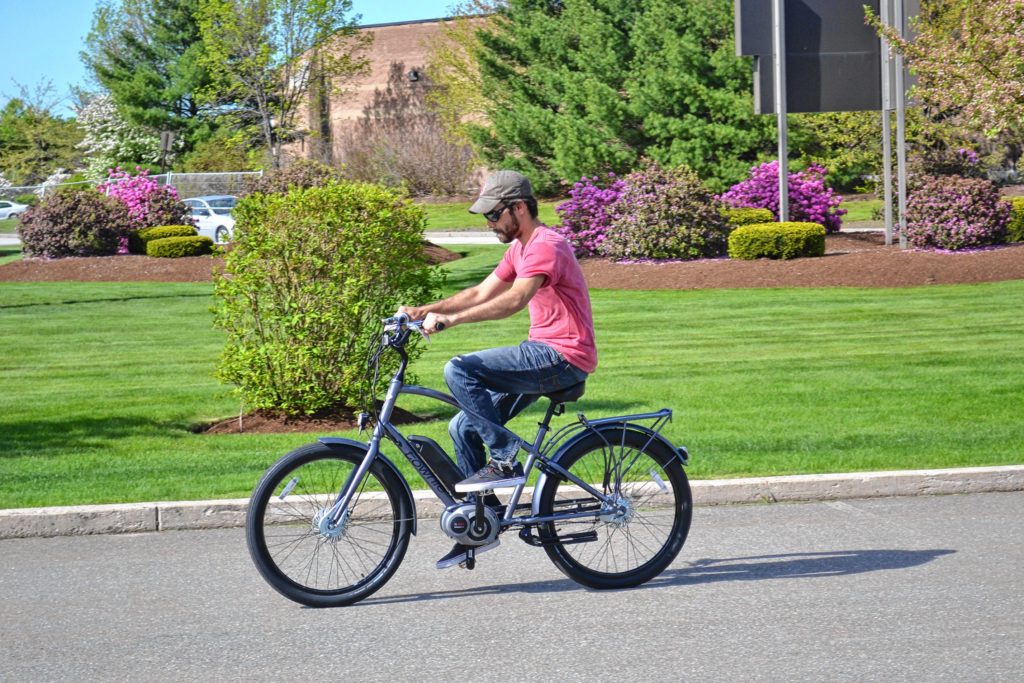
(535, 453)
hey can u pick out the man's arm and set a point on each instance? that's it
(512, 300)
(491, 287)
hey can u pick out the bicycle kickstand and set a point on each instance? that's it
(470, 562)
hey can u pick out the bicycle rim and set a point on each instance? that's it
(632, 546)
(304, 560)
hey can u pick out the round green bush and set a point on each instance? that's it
(1015, 227)
(31, 199)
(665, 214)
(137, 240)
(309, 277)
(738, 216)
(178, 247)
(777, 241)
(75, 222)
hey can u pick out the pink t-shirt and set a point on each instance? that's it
(560, 310)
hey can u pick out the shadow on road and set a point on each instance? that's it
(757, 568)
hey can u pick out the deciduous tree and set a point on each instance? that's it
(265, 54)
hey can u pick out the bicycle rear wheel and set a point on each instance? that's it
(625, 547)
(298, 555)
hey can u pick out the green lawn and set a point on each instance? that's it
(8, 254)
(8, 226)
(103, 381)
(456, 216)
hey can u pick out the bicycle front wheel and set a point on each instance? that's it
(633, 541)
(304, 558)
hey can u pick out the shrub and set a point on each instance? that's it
(948, 212)
(305, 286)
(665, 214)
(809, 199)
(738, 216)
(300, 175)
(79, 222)
(137, 240)
(777, 241)
(585, 216)
(31, 199)
(1015, 226)
(149, 204)
(177, 247)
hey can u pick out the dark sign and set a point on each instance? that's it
(833, 59)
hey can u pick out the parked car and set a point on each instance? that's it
(10, 209)
(212, 216)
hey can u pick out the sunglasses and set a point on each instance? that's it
(494, 215)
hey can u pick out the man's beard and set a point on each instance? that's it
(507, 236)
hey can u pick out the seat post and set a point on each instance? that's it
(551, 412)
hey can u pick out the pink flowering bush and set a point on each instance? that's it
(149, 203)
(585, 216)
(810, 200)
(665, 214)
(948, 212)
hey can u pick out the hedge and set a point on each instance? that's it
(1015, 228)
(137, 240)
(747, 216)
(777, 240)
(176, 247)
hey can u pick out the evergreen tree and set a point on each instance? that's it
(146, 53)
(578, 87)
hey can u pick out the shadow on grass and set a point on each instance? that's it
(38, 438)
(705, 571)
(68, 302)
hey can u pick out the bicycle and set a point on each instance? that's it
(329, 523)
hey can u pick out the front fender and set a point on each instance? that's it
(608, 430)
(406, 492)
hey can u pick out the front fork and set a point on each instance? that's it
(338, 512)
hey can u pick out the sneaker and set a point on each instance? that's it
(494, 475)
(459, 552)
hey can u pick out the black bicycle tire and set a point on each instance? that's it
(683, 512)
(278, 579)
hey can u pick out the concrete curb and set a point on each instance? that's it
(219, 514)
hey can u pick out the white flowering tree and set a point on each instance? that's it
(53, 180)
(110, 140)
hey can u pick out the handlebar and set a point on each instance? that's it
(400, 322)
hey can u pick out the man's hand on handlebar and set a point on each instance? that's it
(435, 322)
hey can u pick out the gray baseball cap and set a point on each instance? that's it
(501, 186)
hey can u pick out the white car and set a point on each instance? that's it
(11, 209)
(212, 216)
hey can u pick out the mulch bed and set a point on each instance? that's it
(851, 260)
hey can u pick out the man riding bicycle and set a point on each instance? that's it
(540, 270)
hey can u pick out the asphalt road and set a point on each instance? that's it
(907, 589)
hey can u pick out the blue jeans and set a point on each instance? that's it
(495, 385)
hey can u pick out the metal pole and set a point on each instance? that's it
(901, 131)
(886, 15)
(779, 48)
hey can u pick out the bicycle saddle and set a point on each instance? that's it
(567, 395)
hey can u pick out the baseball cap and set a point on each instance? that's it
(501, 186)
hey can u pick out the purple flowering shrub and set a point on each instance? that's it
(950, 212)
(74, 223)
(665, 214)
(585, 215)
(149, 203)
(810, 200)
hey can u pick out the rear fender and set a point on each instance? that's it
(406, 492)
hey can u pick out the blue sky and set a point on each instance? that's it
(42, 38)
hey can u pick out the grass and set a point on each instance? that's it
(103, 381)
(8, 254)
(456, 216)
(8, 226)
(861, 209)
